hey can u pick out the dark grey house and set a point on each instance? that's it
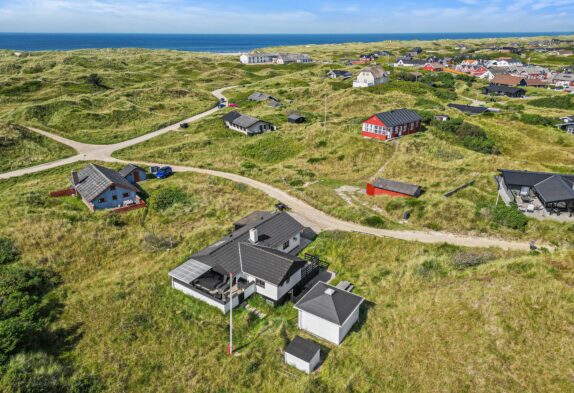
(553, 190)
(499, 90)
(259, 256)
(334, 74)
(245, 124)
(393, 188)
(295, 118)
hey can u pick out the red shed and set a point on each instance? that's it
(393, 188)
(393, 124)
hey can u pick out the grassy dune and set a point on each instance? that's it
(431, 324)
(21, 148)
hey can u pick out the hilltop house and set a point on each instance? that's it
(334, 74)
(534, 191)
(567, 124)
(259, 256)
(328, 312)
(103, 188)
(371, 76)
(393, 188)
(392, 124)
(563, 79)
(503, 62)
(246, 124)
(260, 97)
(513, 92)
(274, 58)
(529, 72)
(409, 62)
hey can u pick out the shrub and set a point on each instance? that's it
(510, 217)
(561, 102)
(465, 259)
(431, 268)
(374, 221)
(167, 197)
(34, 373)
(469, 135)
(530, 118)
(8, 251)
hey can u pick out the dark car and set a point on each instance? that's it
(164, 172)
(184, 125)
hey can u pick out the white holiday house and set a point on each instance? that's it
(328, 312)
(371, 76)
(247, 125)
(259, 256)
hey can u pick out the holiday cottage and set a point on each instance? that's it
(259, 256)
(392, 124)
(103, 188)
(246, 124)
(393, 188)
(371, 76)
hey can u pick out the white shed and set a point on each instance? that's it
(303, 354)
(328, 312)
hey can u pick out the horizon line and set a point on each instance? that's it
(440, 32)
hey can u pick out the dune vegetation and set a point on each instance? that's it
(439, 318)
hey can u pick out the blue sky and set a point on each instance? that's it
(290, 16)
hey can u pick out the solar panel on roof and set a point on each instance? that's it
(189, 271)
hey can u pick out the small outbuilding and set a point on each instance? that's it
(296, 118)
(328, 312)
(303, 354)
(393, 188)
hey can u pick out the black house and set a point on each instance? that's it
(468, 109)
(295, 118)
(513, 92)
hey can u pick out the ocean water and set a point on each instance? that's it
(213, 42)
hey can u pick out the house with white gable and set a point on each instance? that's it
(258, 257)
(503, 62)
(371, 76)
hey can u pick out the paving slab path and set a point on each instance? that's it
(304, 212)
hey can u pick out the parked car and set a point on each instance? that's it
(164, 172)
(232, 105)
(184, 125)
(221, 105)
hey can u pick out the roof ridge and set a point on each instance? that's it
(264, 249)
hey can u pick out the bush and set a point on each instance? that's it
(8, 251)
(510, 217)
(167, 197)
(539, 120)
(466, 259)
(469, 135)
(33, 373)
(374, 221)
(561, 102)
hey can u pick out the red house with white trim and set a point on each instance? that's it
(390, 125)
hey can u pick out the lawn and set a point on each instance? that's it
(22, 148)
(439, 318)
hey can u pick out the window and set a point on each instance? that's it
(112, 188)
(126, 194)
(101, 200)
(286, 245)
(114, 197)
(260, 283)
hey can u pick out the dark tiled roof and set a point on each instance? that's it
(95, 179)
(273, 229)
(503, 89)
(335, 307)
(302, 348)
(527, 178)
(231, 116)
(268, 264)
(129, 168)
(396, 186)
(555, 189)
(398, 117)
(240, 120)
(340, 73)
(473, 110)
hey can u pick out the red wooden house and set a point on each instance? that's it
(393, 188)
(393, 124)
(433, 67)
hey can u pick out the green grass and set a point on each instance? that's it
(431, 324)
(22, 148)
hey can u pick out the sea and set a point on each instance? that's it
(219, 43)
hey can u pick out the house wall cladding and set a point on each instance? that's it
(319, 327)
(373, 191)
(62, 193)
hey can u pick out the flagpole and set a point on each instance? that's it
(230, 349)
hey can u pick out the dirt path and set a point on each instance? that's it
(304, 212)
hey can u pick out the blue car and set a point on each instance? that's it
(164, 172)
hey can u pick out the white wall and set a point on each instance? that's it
(294, 242)
(301, 364)
(286, 287)
(348, 324)
(319, 327)
(199, 296)
(272, 291)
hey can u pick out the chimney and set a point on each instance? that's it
(329, 291)
(253, 235)
(74, 178)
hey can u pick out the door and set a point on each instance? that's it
(241, 297)
(136, 176)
